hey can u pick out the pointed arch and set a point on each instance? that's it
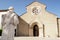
(35, 30)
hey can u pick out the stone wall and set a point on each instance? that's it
(22, 29)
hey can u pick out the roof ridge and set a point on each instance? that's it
(3, 10)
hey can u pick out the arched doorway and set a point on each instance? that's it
(35, 30)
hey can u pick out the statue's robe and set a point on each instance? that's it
(9, 24)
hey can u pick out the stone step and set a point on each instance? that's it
(34, 38)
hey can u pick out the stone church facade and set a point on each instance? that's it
(38, 22)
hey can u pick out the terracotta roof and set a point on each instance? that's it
(3, 10)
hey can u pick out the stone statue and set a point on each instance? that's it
(9, 24)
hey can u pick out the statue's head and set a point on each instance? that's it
(11, 9)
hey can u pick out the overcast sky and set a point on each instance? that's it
(20, 5)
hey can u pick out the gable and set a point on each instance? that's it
(35, 4)
(30, 14)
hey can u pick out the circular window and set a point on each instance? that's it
(35, 10)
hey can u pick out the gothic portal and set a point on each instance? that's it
(35, 30)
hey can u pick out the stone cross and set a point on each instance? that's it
(9, 24)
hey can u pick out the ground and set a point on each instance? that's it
(34, 38)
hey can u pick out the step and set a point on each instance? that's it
(33, 38)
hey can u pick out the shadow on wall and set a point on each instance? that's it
(21, 33)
